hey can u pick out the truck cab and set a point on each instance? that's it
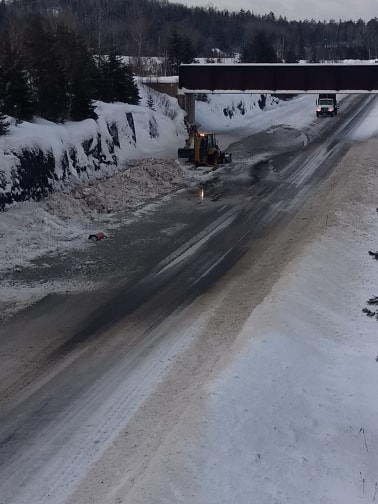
(326, 105)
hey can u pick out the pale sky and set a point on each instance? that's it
(297, 9)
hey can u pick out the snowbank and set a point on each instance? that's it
(38, 158)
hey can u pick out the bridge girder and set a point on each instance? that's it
(289, 78)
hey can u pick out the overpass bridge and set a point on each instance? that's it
(276, 78)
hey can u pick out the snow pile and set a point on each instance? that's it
(62, 220)
(40, 157)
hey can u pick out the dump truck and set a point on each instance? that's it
(326, 105)
(201, 149)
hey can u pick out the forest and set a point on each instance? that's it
(57, 56)
(143, 28)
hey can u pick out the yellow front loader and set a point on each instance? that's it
(201, 149)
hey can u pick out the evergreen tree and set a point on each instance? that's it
(116, 80)
(314, 58)
(188, 53)
(150, 102)
(300, 44)
(4, 124)
(14, 90)
(291, 57)
(79, 71)
(259, 51)
(100, 81)
(46, 75)
(180, 50)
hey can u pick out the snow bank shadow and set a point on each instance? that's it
(251, 171)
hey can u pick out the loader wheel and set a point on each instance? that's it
(213, 158)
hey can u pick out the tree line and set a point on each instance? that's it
(57, 56)
(143, 28)
(47, 70)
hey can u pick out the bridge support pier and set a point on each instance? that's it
(188, 103)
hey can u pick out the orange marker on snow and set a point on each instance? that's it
(97, 236)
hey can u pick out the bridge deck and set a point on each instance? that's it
(279, 78)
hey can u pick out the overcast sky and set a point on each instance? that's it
(297, 9)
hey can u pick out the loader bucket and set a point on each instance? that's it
(186, 153)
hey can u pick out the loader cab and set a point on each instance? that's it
(207, 145)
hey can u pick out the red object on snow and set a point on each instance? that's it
(97, 236)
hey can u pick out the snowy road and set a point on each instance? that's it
(101, 380)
